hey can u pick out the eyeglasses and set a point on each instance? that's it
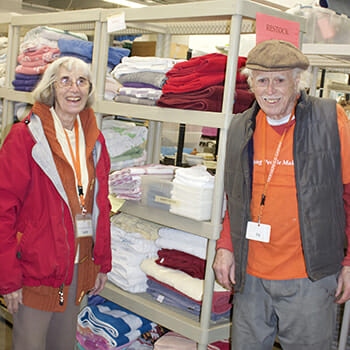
(66, 82)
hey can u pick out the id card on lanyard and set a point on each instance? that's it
(256, 230)
(83, 221)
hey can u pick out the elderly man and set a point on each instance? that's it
(287, 179)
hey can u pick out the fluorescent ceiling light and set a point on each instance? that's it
(126, 3)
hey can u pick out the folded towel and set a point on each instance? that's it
(188, 263)
(85, 48)
(181, 281)
(116, 324)
(151, 78)
(171, 238)
(169, 296)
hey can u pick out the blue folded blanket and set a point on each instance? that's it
(84, 48)
(117, 325)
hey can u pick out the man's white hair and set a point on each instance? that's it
(304, 81)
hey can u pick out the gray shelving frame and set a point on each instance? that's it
(208, 17)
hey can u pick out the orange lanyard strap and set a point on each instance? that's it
(76, 161)
(274, 161)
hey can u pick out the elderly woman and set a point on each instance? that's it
(54, 210)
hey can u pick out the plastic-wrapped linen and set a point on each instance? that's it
(192, 193)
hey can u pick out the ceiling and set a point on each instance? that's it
(30, 6)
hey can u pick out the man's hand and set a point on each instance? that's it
(13, 300)
(343, 290)
(224, 267)
(100, 282)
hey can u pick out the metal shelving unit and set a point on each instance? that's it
(329, 57)
(231, 17)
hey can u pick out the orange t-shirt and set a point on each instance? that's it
(282, 257)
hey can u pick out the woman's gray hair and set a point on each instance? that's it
(303, 74)
(45, 91)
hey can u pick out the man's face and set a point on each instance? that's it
(275, 92)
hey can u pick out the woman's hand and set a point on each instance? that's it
(13, 300)
(100, 282)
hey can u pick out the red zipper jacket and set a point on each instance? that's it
(33, 202)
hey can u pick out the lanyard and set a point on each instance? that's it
(274, 161)
(76, 163)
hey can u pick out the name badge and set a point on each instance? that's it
(83, 225)
(258, 232)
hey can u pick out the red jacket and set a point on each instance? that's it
(33, 202)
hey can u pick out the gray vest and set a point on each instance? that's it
(317, 165)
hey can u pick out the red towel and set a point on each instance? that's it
(208, 99)
(214, 62)
(182, 261)
(192, 82)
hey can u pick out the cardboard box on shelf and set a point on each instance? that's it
(148, 48)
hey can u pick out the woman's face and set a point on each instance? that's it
(71, 92)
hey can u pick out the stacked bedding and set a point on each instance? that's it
(38, 49)
(142, 79)
(192, 193)
(109, 326)
(176, 275)
(126, 183)
(125, 143)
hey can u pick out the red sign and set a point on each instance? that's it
(269, 27)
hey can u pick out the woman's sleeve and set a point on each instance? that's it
(15, 175)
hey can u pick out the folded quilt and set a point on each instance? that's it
(114, 323)
(122, 136)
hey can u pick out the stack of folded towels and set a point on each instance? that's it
(199, 84)
(176, 276)
(129, 249)
(192, 193)
(38, 49)
(109, 326)
(142, 78)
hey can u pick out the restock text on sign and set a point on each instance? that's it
(269, 27)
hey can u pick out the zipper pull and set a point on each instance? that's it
(60, 293)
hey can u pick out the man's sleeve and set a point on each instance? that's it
(225, 236)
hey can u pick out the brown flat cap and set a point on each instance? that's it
(276, 55)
